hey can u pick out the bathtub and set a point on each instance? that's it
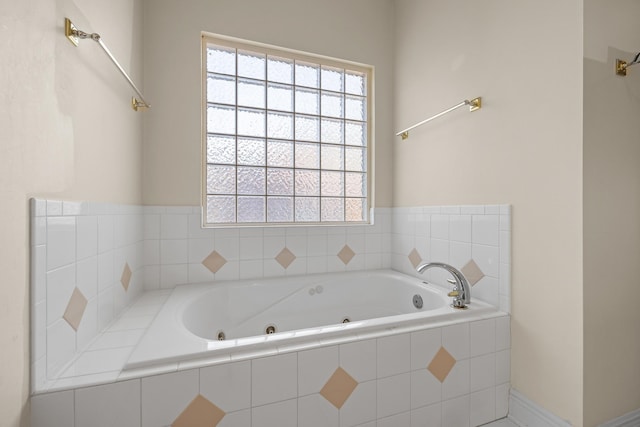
(221, 320)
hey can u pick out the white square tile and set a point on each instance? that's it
(456, 412)
(196, 230)
(315, 367)
(373, 243)
(39, 331)
(455, 339)
(393, 395)
(273, 245)
(487, 290)
(427, 416)
(281, 414)
(485, 230)
(457, 382)
(483, 372)
(99, 361)
(38, 207)
(459, 254)
(174, 251)
(316, 411)
(38, 231)
(151, 226)
(251, 248)
(229, 271)
(106, 308)
(228, 386)
(173, 275)
(39, 273)
(460, 228)
(483, 337)
(440, 227)
(52, 409)
(439, 250)
(400, 420)
(88, 328)
(297, 267)
(117, 339)
(60, 286)
(164, 397)
(360, 407)
(317, 244)
(503, 366)
(236, 419)
(61, 241)
(297, 244)
(199, 273)
(228, 247)
(174, 226)
(87, 277)
(151, 250)
(502, 400)
(251, 269)
(425, 389)
(199, 249)
(394, 355)
(503, 333)
(108, 405)
(86, 236)
(359, 360)
(106, 232)
(373, 262)
(106, 270)
(274, 378)
(424, 345)
(54, 207)
(505, 247)
(472, 209)
(482, 407)
(487, 258)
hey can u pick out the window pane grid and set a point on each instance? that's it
(319, 112)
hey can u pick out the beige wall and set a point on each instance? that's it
(524, 147)
(357, 30)
(611, 212)
(66, 131)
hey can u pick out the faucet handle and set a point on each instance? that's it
(453, 294)
(452, 281)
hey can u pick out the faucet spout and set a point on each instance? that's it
(462, 291)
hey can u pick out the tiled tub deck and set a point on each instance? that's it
(443, 375)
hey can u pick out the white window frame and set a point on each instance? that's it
(231, 42)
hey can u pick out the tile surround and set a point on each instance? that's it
(398, 234)
(319, 387)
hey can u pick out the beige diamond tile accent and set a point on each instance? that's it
(285, 258)
(126, 276)
(472, 272)
(75, 309)
(200, 413)
(415, 258)
(338, 388)
(214, 261)
(441, 364)
(346, 254)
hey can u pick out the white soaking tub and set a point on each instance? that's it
(264, 316)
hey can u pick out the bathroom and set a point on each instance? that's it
(551, 99)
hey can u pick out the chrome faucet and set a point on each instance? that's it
(461, 292)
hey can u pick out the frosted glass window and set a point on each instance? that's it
(251, 151)
(221, 89)
(252, 65)
(221, 149)
(286, 136)
(251, 180)
(251, 209)
(251, 93)
(332, 79)
(280, 154)
(332, 209)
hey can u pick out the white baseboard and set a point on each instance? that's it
(632, 419)
(527, 413)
